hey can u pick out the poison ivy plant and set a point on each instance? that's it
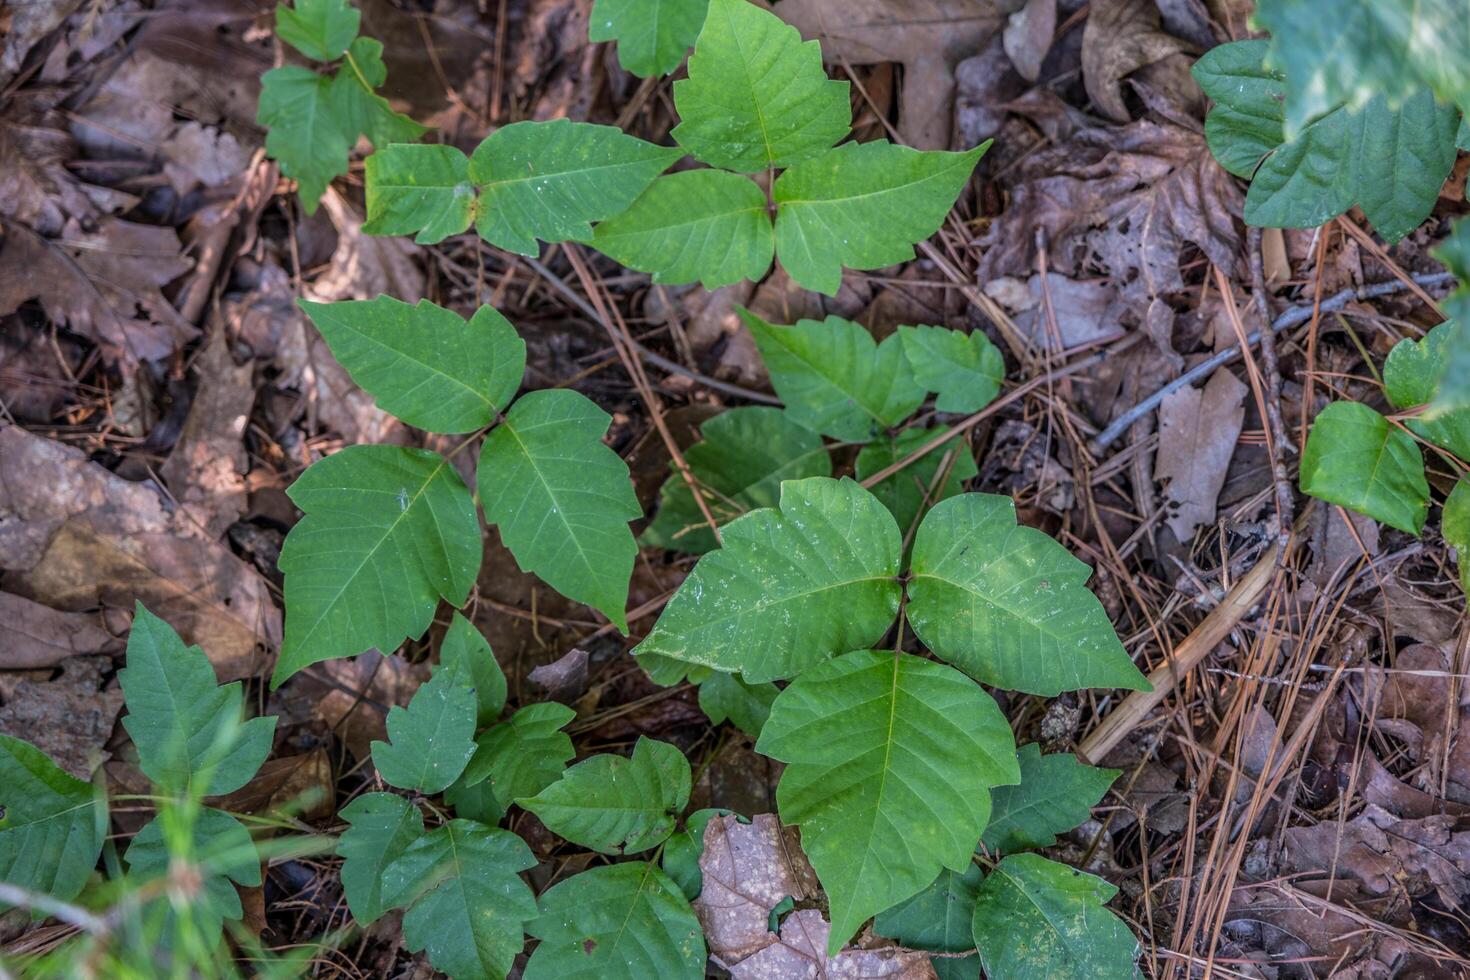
(380, 827)
(683, 849)
(314, 118)
(964, 369)
(1055, 794)
(219, 846)
(466, 654)
(912, 490)
(1359, 459)
(725, 696)
(653, 35)
(939, 918)
(1455, 526)
(521, 757)
(1409, 379)
(1453, 390)
(52, 825)
(431, 741)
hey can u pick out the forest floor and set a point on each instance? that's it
(1297, 805)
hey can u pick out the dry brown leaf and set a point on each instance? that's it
(1121, 36)
(1387, 857)
(38, 636)
(1028, 36)
(1198, 429)
(297, 785)
(29, 23)
(69, 718)
(74, 536)
(563, 679)
(802, 953)
(366, 266)
(350, 698)
(1086, 311)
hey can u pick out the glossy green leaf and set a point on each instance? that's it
(652, 35)
(1061, 915)
(425, 364)
(834, 378)
(725, 696)
(1410, 377)
(319, 29)
(1009, 605)
(617, 805)
(380, 827)
(551, 180)
(907, 492)
(562, 499)
(890, 760)
(1454, 525)
(965, 370)
(1055, 795)
(939, 919)
(683, 850)
(791, 586)
(431, 741)
(467, 904)
(1358, 459)
(388, 531)
(704, 226)
(52, 824)
(190, 731)
(521, 757)
(219, 847)
(623, 922)
(419, 189)
(757, 96)
(1248, 118)
(465, 654)
(862, 206)
(740, 462)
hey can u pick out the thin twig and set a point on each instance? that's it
(1275, 427)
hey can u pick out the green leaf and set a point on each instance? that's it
(938, 919)
(890, 762)
(790, 588)
(319, 29)
(359, 109)
(523, 756)
(1248, 119)
(1056, 794)
(863, 205)
(551, 180)
(683, 850)
(423, 363)
(304, 136)
(431, 740)
(562, 499)
(1453, 393)
(1009, 605)
(1061, 913)
(1410, 377)
(906, 492)
(744, 456)
(465, 655)
(704, 226)
(388, 531)
(617, 805)
(623, 922)
(380, 827)
(964, 369)
(757, 96)
(834, 378)
(218, 846)
(725, 696)
(466, 902)
(1358, 459)
(189, 730)
(652, 35)
(52, 825)
(419, 189)
(1454, 524)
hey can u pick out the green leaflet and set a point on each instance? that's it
(725, 696)
(53, 824)
(431, 740)
(757, 96)
(964, 369)
(1060, 911)
(1357, 458)
(550, 180)
(890, 762)
(790, 588)
(863, 205)
(1454, 524)
(380, 827)
(319, 29)
(1410, 377)
(419, 189)
(521, 757)
(1008, 604)
(623, 922)
(217, 845)
(704, 226)
(562, 499)
(652, 35)
(617, 805)
(741, 461)
(833, 377)
(1453, 393)
(466, 656)
(912, 490)
(1248, 118)
(190, 731)
(683, 850)
(466, 902)
(375, 515)
(939, 919)
(425, 364)
(1056, 794)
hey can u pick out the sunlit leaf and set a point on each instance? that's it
(319, 29)
(1410, 378)
(418, 189)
